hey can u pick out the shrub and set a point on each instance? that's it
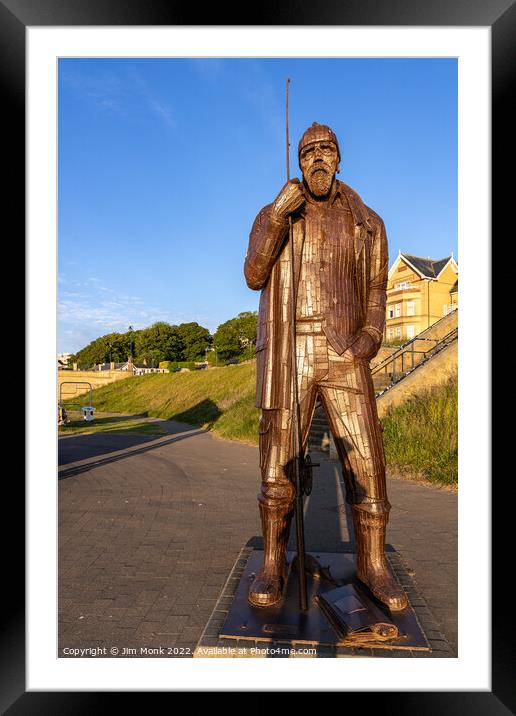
(170, 365)
(248, 353)
(189, 364)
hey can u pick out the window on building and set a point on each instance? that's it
(410, 331)
(410, 308)
(390, 332)
(398, 310)
(398, 332)
(403, 284)
(390, 312)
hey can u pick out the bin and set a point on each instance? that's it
(87, 412)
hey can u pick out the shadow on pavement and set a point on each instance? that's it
(100, 444)
(74, 448)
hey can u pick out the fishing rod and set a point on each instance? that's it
(298, 462)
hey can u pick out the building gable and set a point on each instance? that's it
(449, 268)
(424, 268)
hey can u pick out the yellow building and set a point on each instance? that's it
(419, 292)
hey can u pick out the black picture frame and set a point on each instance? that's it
(15, 16)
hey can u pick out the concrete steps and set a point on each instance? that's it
(319, 438)
(381, 381)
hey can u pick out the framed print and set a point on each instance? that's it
(36, 37)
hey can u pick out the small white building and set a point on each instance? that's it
(63, 360)
(139, 368)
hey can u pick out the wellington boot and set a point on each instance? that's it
(268, 586)
(373, 568)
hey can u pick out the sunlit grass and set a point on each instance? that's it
(221, 399)
(420, 436)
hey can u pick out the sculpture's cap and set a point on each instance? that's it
(318, 133)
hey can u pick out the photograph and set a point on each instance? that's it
(257, 359)
(248, 413)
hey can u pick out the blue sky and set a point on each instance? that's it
(164, 163)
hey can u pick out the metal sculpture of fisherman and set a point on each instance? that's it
(340, 276)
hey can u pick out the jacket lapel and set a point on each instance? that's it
(299, 240)
(360, 219)
(363, 231)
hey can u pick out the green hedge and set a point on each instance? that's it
(173, 365)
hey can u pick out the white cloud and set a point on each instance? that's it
(115, 92)
(161, 110)
(86, 315)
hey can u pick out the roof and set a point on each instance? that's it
(430, 268)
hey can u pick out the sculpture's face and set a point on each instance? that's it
(319, 162)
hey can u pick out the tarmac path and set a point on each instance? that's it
(150, 528)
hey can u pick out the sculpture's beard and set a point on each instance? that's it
(320, 180)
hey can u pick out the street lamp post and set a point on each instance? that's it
(131, 329)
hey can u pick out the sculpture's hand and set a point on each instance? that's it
(289, 200)
(363, 348)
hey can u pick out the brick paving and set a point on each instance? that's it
(151, 528)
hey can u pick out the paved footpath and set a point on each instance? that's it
(150, 528)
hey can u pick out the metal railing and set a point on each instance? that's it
(60, 405)
(408, 346)
(408, 350)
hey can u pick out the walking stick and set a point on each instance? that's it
(296, 428)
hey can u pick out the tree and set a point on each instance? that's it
(195, 339)
(247, 325)
(159, 342)
(236, 337)
(114, 346)
(120, 347)
(226, 341)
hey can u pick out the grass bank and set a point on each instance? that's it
(221, 399)
(420, 436)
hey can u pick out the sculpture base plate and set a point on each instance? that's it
(286, 622)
